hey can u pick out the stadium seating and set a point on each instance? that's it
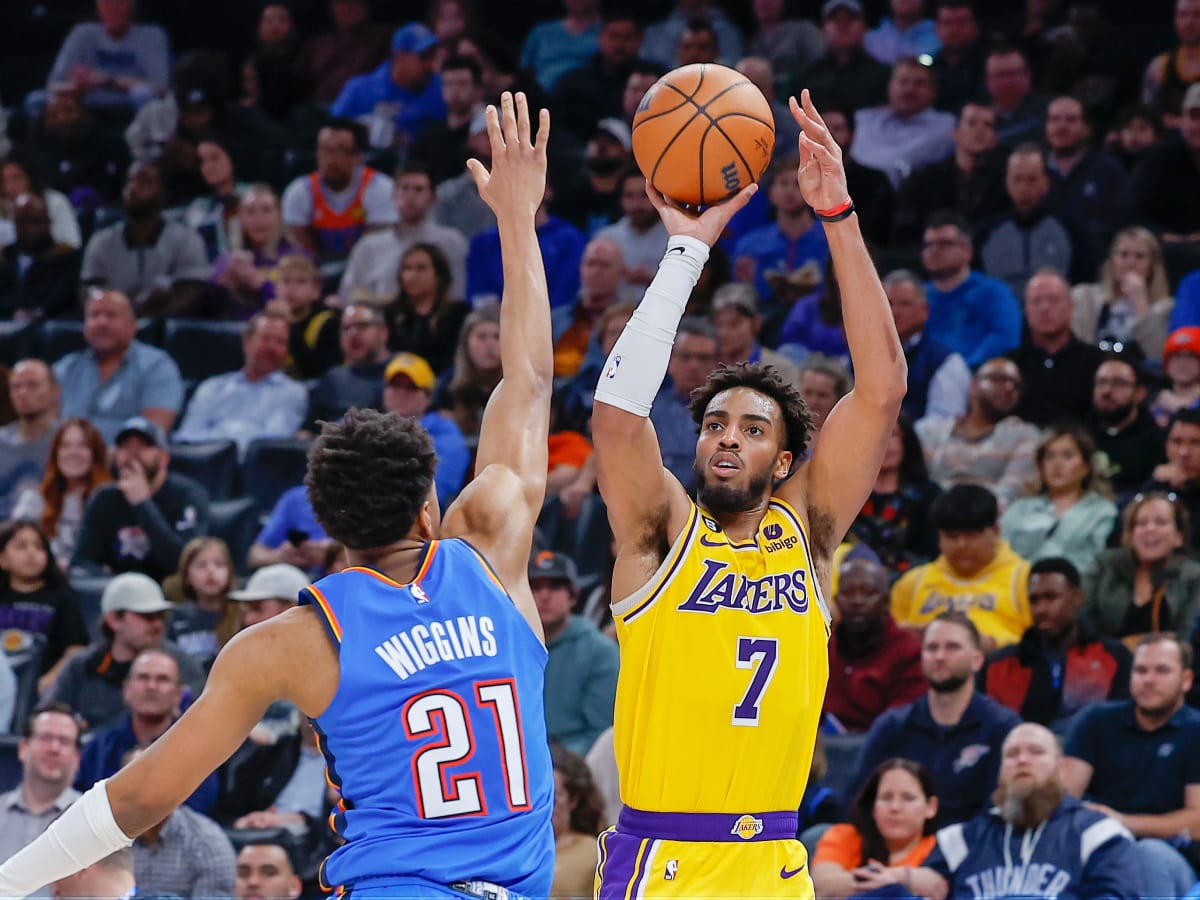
(272, 466)
(212, 464)
(203, 349)
(236, 523)
(58, 337)
(10, 765)
(89, 588)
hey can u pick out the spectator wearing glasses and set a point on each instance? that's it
(1148, 584)
(357, 381)
(1124, 430)
(133, 611)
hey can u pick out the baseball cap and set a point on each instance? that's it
(133, 592)
(739, 296)
(832, 6)
(151, 431)
(1181, 340)
(280, 582)
(617, 130)
(1191, 100)
(412, 366)
(413, 38)
(549, 564)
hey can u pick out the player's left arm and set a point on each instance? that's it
(272, 661)
(838, 477)
(497, 511)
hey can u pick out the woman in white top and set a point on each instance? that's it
(77, 465)
(18, 175)
(1132, 301)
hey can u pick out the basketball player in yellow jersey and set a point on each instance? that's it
(719, 603)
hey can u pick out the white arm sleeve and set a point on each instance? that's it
(635, 368)
(84, 834)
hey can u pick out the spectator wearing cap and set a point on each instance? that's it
(141, 522)
(561, 244)
(907, 132)
(593, 91)
(270, 591)
(846, 75)
(133, 619)
(459, 205)
(1181, 364)
(326, 211)
(639, 233)
(737, 321)
(581, 673)
(161, 266)
(977, 572)
(441, 148)
(356, 382)
(153, 696)
(291, 535)
(114, 62)
(257, 402)
(554, 48)
(117, 376)
(1060, 665)
(904, 34)
(408, 385)
(406, 89)
(353, 45)
(593, 201)
(662, 38)
(1056, 367)
(575, 327)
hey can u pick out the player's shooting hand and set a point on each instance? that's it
(517, 181)
(822, 175)
(704, 226)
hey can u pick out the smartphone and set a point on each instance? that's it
(297, 536)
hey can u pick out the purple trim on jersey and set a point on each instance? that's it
(709, 827)
(620, 865)
(630, 616)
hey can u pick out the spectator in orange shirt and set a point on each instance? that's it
(888, 838)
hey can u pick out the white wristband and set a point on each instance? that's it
(84, 834)
(635, 369)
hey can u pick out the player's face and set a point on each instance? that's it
(968, 552)
(1158, 681)
(901, 807)
(738, 453)
(1053, 603)
(50, 754)
(1029, 759)
(264, 873)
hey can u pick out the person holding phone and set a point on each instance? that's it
(292, 535)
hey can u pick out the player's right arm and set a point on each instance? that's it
(647, 506)
(290, 657)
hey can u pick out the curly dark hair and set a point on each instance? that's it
(587, 804)
(765, 380)
(369, 476)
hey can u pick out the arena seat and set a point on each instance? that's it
(89, 588)
(236, 523)
(212, 464)
(58, 337)
(842, 751)
(10, 765)
(272, 466)
(203, 349)
(27, 690)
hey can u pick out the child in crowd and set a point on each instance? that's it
(314, 344)
(1181, 361)
(205, 619)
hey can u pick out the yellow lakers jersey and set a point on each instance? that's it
(724, 663)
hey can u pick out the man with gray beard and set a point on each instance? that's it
(1037, 841)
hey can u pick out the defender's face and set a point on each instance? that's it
(740, 442)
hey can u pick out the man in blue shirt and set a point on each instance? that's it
(1138, 761)
(953, 731)
(292, 535)
(117, 377)
(406, 88)
(408, 384)
(972, 314)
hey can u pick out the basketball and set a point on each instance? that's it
(702, 133)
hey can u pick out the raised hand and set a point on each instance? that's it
(708, 225)
(822, 176)
(517, 181)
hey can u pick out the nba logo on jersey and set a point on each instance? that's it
(747, 827)
(672, 868)
(418, 593)
(611, 372)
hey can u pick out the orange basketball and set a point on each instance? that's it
(702, 133)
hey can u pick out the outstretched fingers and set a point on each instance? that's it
(543, 132)
(522, 111)
(508, 119)
(811, 124)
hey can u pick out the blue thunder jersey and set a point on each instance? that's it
(436, 737)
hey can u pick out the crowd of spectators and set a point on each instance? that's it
(209, 247)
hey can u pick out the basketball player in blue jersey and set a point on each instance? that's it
(421, 665)
(718, 601)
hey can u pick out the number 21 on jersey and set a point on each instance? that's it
(444, 714)
(760, 654)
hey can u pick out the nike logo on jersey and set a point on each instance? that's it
(784, 873)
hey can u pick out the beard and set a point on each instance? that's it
(726, 499)
(1027, 806)
(1115, 415)
(949, 684)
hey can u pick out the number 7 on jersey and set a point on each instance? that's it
(764, 652)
